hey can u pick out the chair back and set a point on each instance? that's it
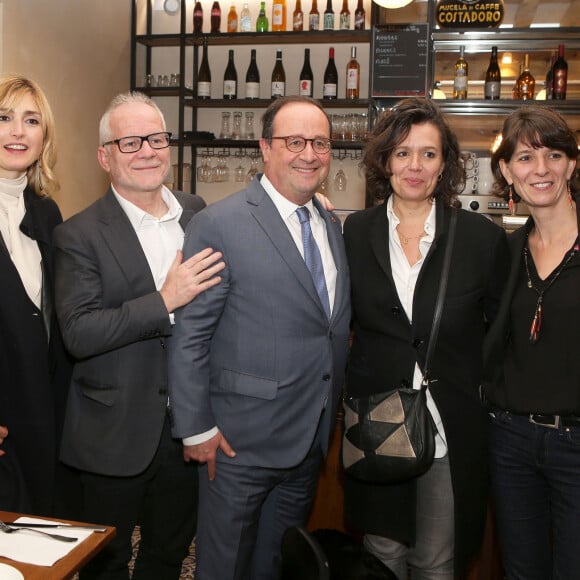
(302, 556)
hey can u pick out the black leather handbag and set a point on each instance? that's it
(390, 436)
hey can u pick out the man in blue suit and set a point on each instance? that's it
(256, 363)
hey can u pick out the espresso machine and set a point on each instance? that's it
(477, 194)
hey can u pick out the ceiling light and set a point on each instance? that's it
(392, 3)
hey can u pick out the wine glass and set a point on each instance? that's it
(340, 180)
(253, 171)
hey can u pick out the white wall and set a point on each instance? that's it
(79, 52)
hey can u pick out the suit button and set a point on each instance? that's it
(395, 311)
(326, 377)
(417, 343)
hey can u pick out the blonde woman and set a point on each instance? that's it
(33, 365)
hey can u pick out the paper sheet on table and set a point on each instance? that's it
(32, 548)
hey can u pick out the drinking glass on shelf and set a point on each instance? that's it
(249, 132)
(237, 131)
(226, 131)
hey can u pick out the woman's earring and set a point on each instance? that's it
(570, 198)
(511, 203)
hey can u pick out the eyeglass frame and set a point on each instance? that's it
(287, 137)
(141, 140)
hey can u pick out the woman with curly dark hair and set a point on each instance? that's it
(532, 378)
(431, 524)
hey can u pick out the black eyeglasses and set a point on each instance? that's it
(298, 144)
(134, 143)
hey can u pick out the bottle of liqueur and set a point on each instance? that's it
(550, 78)
(359, 16)
(216, 17)
(232, 19)
(352, 76)
(314, 17)
(330, 87)
(492, 87)
(328, 16)
(204, 75)
(231, 78)
(306, 82)
(461, 75)
(526, 82)
(245, 19)
(262, 21)
(279, 15)
(298, 18)
(559, 75)
(344, 23)
(278, 77)
(253, 78)
(197, 18)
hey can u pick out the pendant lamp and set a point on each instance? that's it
(392, 3)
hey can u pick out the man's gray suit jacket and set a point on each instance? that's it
(256, 355)
(115, 323)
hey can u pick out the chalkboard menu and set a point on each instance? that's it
(399, 56)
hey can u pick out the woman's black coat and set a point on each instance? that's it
(386, 346)
(34, 372)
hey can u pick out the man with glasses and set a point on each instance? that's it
(256, 363)
(120, 276)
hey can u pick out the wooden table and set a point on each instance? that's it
(66, 567)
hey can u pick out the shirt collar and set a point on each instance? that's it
(137, 216)
(284, 206)
(429, 222)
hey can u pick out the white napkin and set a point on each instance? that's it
(33, 548)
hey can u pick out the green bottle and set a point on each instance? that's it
(262, 22)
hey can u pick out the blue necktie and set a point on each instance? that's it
(313, 259)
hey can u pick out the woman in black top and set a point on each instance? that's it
(533, 354)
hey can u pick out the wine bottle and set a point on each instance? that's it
(306, 87)
(231, 78)
(526, 81)
(314, 17)
(204, 75)
(279, 16)
(278, 77)
(253, 78)
(216, 17)
(344, 23)
(352, 76)
(298, 18)
(550, 77)
(461, 75)
(559, 75)
(197, 18)
(492, 87)
(359, 16)
(330, 88)
(262, 21)
(328, 16)
(245, 19)
(232, 19)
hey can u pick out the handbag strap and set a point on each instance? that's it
(440, 296)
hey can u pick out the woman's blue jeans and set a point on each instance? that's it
(535, 474)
